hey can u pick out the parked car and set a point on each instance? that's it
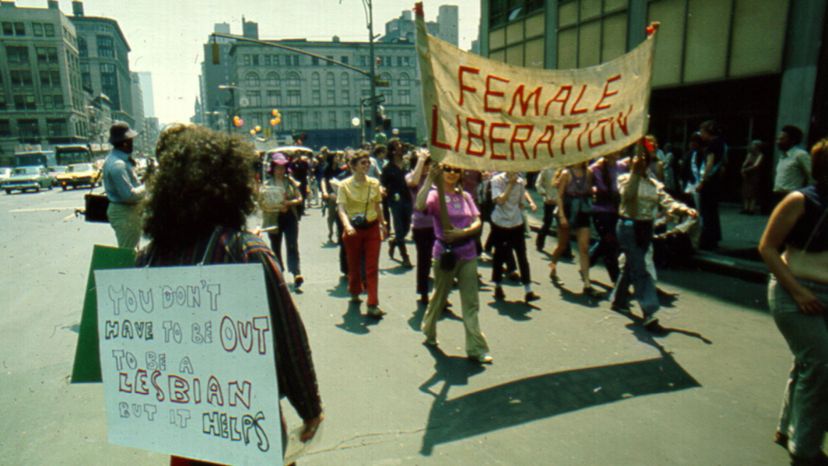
(5, 173)
(25, 178)
(54, 172)
(79, 174)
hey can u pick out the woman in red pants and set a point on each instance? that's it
(360, 210)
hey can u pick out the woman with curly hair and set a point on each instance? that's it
(198, 201)
(798, 300)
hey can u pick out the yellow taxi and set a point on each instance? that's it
(79, 174)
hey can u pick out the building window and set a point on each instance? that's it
(19, 29)
(292, 60)
(295, 120)
(316, 120)
(505, 11)
(405, 80)
(255, 60)
(28, 129)
(294, 97)
(331, 119)
(252, 80)
(5, 128)
(344, 59)
(405, 119)
(47, 55)
(246, 60)
(316, 81)
(86, 77)
(344, 80)
(37, 29)
(109, 84)
(314, 61)
(17, 55)
(328, 63)
(83, 49)
(24, 102)
(316, 97)
(49, 30)
(55, 128)
(273, 80)
(8, 29)
(331, 97)
(293, 79)
(106, 47)
(330, 80)
(345, 95)
(50, 78)
(267, 60)
(405, 97)
(274, 98)
(20, 78)
(589, 32)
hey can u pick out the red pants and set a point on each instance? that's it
(363, 244)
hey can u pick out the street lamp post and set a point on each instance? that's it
(230, 106)
(369, 6)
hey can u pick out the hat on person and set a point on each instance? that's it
(279, 159)
(120, 132)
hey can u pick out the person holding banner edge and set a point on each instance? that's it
(456, 225)
(210, 230)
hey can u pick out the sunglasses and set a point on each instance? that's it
(452, 170)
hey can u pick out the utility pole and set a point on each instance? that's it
(372, 64)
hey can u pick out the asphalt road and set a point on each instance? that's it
(572, 383)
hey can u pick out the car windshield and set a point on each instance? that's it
(79, 167)
(26, 171)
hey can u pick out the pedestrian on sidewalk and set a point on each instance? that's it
(399, 200)
(456, 222)
(752, 177)
(509, 228)
(793, 170)
(574, 211)
(422, 224)
(798, 300)
(190, 220)
(640, 195)
(360, 210)
(122, 187)
(605, 173)
(280, 197)
(714, 154)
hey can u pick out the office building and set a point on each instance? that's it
(447, 23)
(41, 101)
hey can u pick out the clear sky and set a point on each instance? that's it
(167, 36)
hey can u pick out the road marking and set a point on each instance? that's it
(41, 209)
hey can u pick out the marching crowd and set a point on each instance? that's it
(386, 192)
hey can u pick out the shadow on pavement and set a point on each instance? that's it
(515, 310)
(732, 290)
(340, 290)
(538, 397)
(355, 322)
(579, 298)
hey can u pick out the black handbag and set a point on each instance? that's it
(95, 208)
(448, 259)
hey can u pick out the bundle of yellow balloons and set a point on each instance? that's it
(277, 117)
(238, 122)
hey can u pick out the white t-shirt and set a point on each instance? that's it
(508, 214)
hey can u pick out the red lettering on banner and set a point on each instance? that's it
(602, 125)
(621, 121)
(435, 120)
(549, 130)
(575, 110)
(491, 92)
(521, 141)
(557, 98)
(493, 140)
(479, 136)
(463, 87)
(524, 103)
(606, 94)
(570, 127)
(459, 133)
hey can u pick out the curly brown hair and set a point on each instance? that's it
(819, 164)
(205, 179)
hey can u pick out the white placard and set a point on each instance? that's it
(188, 363)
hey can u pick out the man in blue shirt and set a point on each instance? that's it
(122, 187)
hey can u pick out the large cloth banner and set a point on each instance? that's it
(187, 359)
(485, 115)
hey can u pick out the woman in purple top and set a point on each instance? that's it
(605, 212)
(574, 209)
(422, 226)
(456, 223)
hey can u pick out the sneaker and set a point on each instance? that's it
(499, 294)
(531, 296)
(298, 280)
(375, 312)
(484, 358)
(407, 263)
(514, 276)
(650, 323)
(590, 291)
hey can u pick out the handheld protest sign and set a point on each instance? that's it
(87, 365)
(482, 114)
(187, 357)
